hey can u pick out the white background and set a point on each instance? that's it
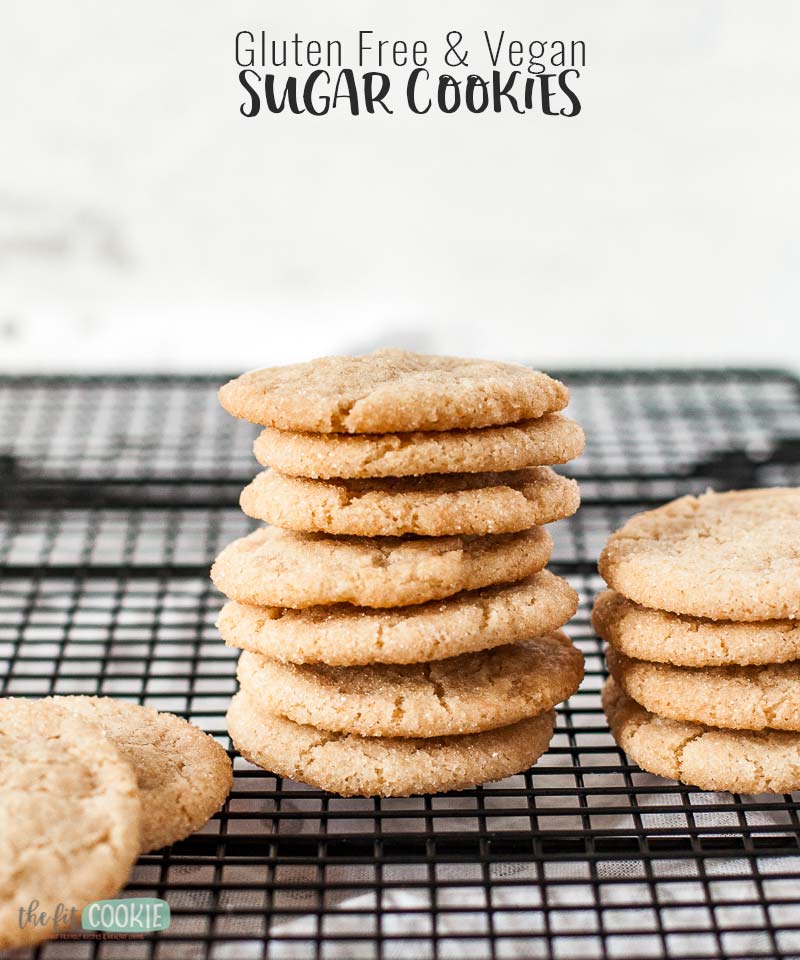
(144, 224)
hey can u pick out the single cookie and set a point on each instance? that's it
(729, 760)
(465, 694)
(739, 698)
(351, 636)
(273, 567)
(354, 766)
(391, 390)
(69, 818)
(725, 556)
(182, 773)
(691, 641)
(550, 439)
(437, 505)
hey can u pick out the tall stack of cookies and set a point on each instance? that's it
(400, 632)
(704, 642)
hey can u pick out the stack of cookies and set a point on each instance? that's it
(400, 632)
(704, 642)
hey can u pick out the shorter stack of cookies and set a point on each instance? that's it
(703, 640)
(400, 632)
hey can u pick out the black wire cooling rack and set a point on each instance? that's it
(116, 494)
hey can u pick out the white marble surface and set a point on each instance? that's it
(145, 224)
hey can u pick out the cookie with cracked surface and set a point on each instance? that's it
(182, 773)
(684, 641)
(354, 766)
(550, 439)
(69, 816)
(346, 636)
(739, 698)
(724, 556)
(434, 505)
(712, 759)
(465, 694)
(281, 568)
(391, 390)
